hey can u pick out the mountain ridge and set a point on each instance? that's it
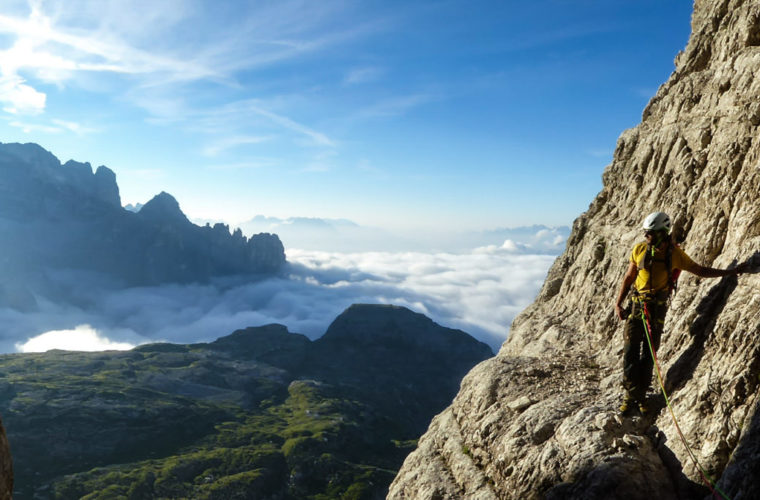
(57, 216)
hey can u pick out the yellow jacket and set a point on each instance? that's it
(659, 273)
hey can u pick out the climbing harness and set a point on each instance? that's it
(645, 318)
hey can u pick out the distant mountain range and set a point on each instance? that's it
(260, 413)
(56, 218)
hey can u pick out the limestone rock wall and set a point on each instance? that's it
(539, 420)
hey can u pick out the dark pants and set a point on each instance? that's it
(637, 359)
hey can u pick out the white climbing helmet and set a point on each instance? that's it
(657, 221)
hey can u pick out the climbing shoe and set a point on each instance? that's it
(626, 406)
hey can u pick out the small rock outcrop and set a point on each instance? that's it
(540, 419)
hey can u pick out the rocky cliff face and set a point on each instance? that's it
(539, 420)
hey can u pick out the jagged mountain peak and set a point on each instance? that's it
(105, 186)
(165, 208)
(540, 419)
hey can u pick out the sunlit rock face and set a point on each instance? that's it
(539, 420)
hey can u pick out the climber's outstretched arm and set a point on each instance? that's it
(710, 272)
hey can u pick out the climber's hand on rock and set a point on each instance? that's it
(619, 311)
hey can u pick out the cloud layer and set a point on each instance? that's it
(479, 292)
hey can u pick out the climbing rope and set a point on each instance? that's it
(705, 477)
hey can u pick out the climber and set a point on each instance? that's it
(653, 268)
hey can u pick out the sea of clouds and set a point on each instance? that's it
(479, 291)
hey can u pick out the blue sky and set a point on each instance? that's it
(429, 115)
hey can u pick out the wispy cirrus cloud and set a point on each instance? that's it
(28, 127)
(56, 53)
(367, 74)
(75, 127)
(232, 142)
(150, 38)
(255, 163)
(54, 126)
(238, 117)
(395, 106)
(141, 50)
(317, 137)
